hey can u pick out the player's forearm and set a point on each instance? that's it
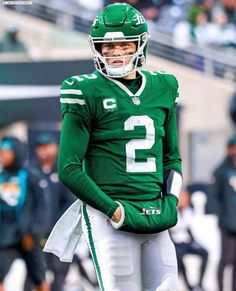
(174, 163)
(86, 190)
(73, 146)
(171, 155)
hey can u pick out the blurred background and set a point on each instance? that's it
(45, 41)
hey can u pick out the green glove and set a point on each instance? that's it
(148, 216)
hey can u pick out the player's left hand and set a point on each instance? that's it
(149, 216)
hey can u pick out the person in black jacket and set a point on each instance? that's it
(222, 202)
(58, 200)
(22, 217)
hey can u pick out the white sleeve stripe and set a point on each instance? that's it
(176, 184)
(71, 91)
(177, 100)
(72, 101)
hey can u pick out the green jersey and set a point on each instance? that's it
(127, 141)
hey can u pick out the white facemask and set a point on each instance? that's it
(137, 59)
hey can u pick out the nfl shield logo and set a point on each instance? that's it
(136, 100)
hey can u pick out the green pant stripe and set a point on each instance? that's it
(92, 247)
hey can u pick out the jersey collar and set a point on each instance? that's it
(124, 88)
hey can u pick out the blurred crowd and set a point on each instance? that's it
(203, 22)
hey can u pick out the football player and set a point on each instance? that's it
(119, 154)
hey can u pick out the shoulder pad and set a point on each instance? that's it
(171, 80)
(173, 83)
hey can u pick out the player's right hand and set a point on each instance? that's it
(116, 217)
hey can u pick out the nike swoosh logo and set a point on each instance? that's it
(70, 83)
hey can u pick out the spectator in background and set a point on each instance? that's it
(11, 41)
(58, 200)
(185, 243)
(222, 202)
(193, 30)
(206, 6)
(229, 7)
(22, 213)
(198, 24)
(220, 32)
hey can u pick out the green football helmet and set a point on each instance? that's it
(119, 23)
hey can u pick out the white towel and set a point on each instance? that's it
(66, 233)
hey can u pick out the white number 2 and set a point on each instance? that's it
(140, 144)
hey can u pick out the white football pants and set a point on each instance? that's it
(126, 261)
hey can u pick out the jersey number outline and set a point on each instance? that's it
(86, 76)
(140, 144)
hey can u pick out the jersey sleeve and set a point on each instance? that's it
(171, 153)
(72, 98)
(74, 142)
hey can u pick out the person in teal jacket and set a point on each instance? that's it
(22, 217)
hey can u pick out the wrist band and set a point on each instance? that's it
(117, 225)
(173, 183)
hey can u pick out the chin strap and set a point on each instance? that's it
(172, 183)
(119, 71)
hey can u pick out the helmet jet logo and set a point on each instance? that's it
(140, 19)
